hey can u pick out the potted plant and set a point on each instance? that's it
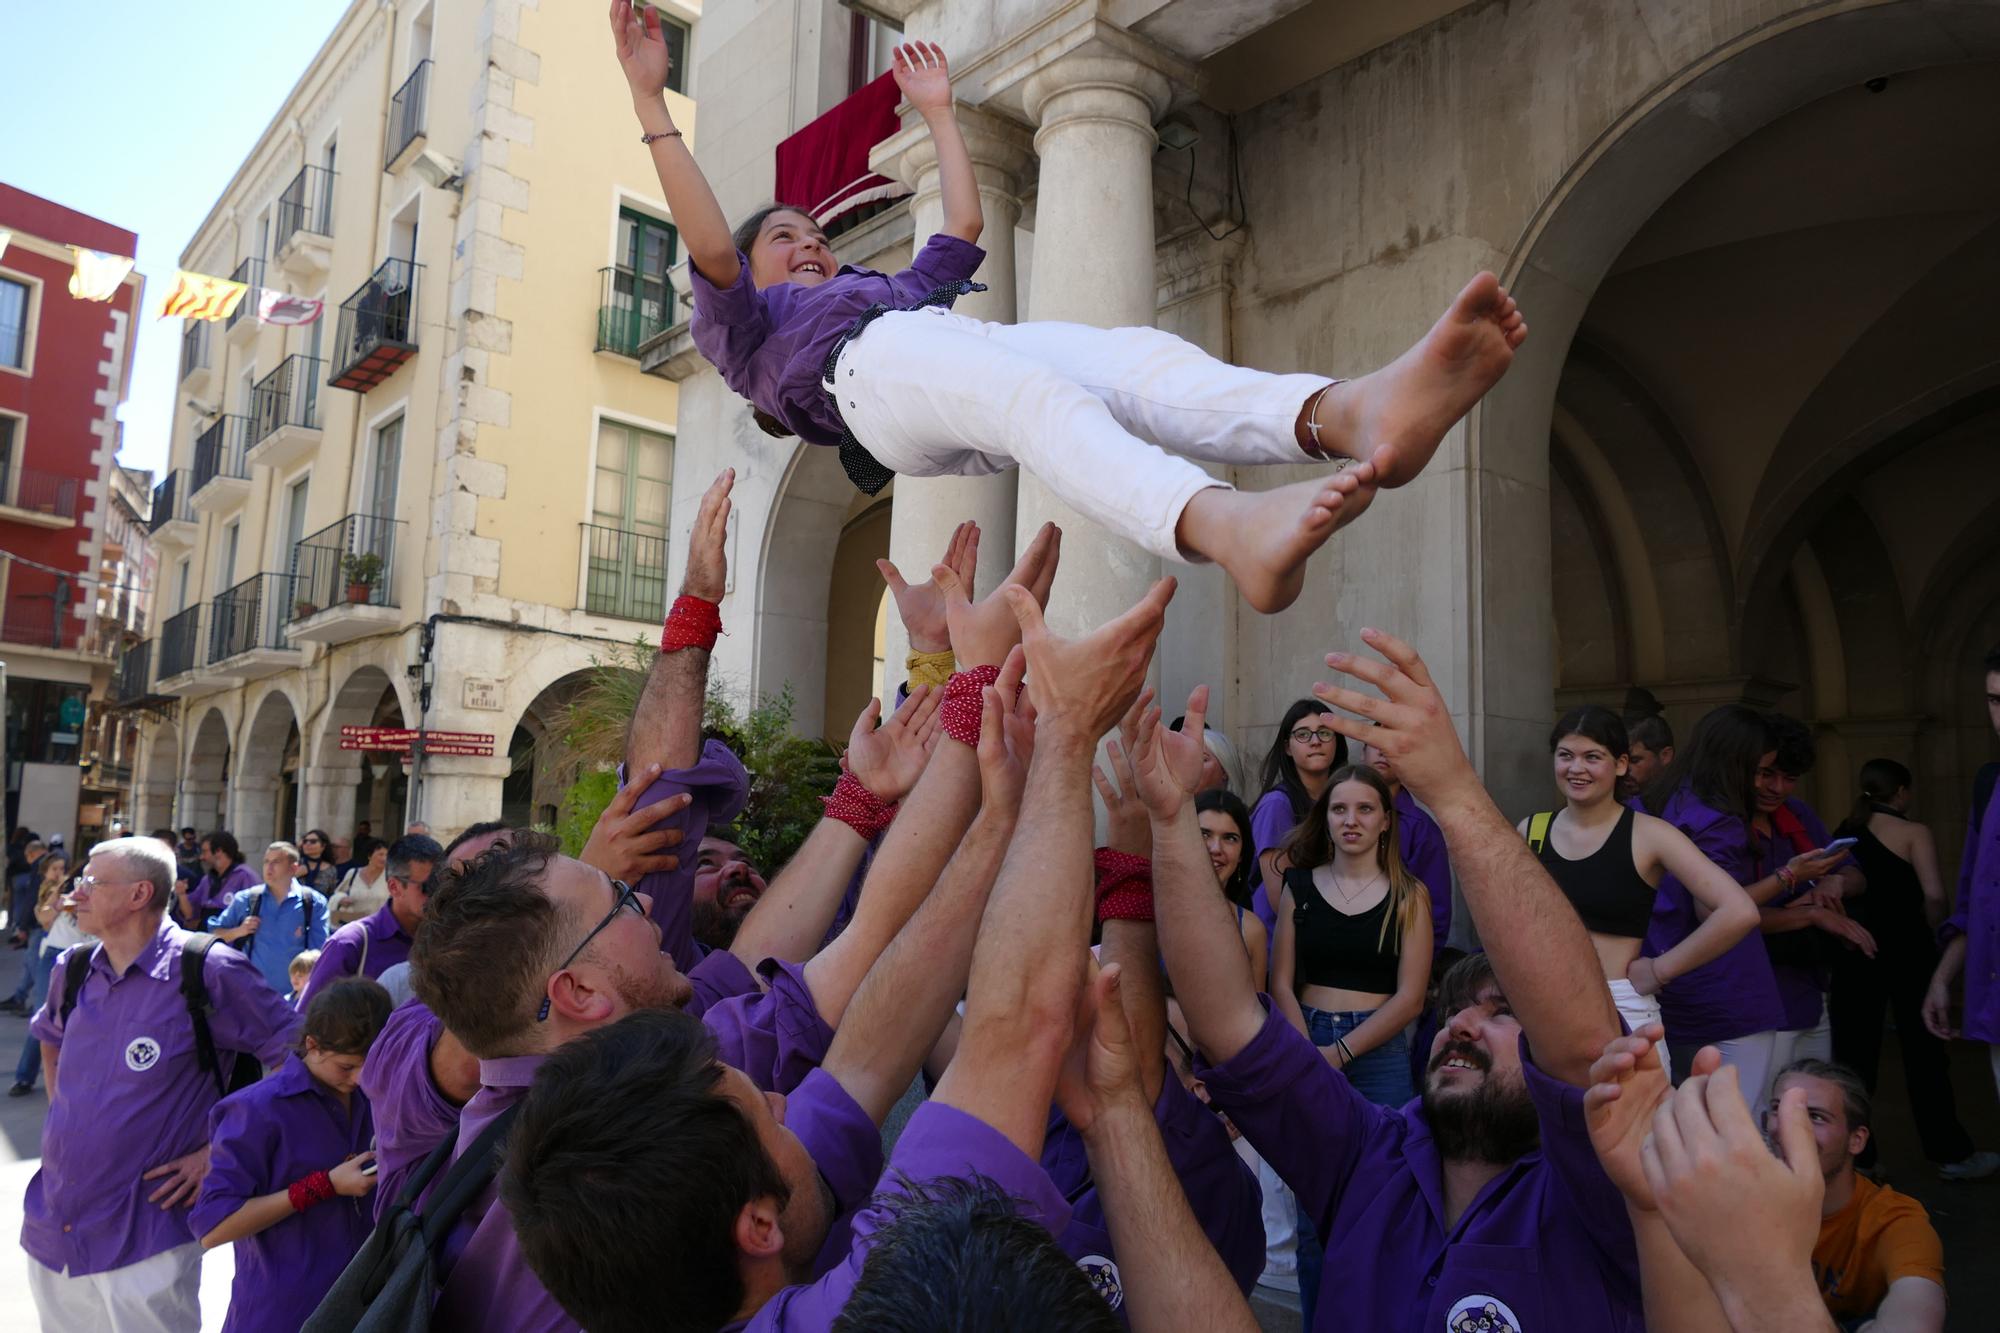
(363, 570)
(302, 608)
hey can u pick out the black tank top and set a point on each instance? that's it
(1893, 907)
(1338, 950)
(1605, 888)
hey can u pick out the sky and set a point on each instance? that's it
(139, 114)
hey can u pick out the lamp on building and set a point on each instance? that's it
(435, 169)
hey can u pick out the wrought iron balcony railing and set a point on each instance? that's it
(219, 450)
(251, 615)
(170, 501)
(306, 205)
(135, 672)
(181, 643)
(625, 573)
(288, 396)
(196, 346)
(37, 491)
(250, 273)
(352, 562)
(378, 327)
(406, 112)
(631, 307)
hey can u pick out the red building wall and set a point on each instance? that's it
(80, 362)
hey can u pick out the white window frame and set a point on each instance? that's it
(30, 322)
(365, 474)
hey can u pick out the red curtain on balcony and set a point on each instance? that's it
(824, 167)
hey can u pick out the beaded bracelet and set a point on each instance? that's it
(693, 623)
(1124, 886)
(860, 809)
(964, 704)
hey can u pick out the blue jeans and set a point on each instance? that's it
(24, 992)
(29, 1067)
(1383, 1077)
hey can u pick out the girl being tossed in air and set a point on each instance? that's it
(878, 366)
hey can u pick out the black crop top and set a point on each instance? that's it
(1605, 888)
(1335, 949)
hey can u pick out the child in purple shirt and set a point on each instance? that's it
(290, 1166)
(1111, 420)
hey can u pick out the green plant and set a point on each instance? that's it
(581, 805)
(362, 567)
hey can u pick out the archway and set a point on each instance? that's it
(259, 803)
(854, 619)
(345, 786)
(541, 767)
(155, 794)
(207, 772)
(814, 507)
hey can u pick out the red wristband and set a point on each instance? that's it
(858, 808)
(306, 1191)
(1124, 886)
(965, 703)
(693, 623)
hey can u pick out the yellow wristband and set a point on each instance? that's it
(930, 668)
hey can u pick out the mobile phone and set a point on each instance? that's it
(368, 1170)
(1841, 844)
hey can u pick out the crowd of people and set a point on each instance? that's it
(1244, 1039)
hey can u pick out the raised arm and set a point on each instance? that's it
(1020, 1009)
(642, 54)
(1134, 944)
(925, 80)
(1540, 950)
(1197, 926)
(666, 729)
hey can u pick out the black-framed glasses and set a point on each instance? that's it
(1307, 735)
(624, 896)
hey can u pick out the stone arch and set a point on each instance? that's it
(155, 794)
(207, 771)
(854, 598)
(540, 767)
(257, 803)
(801, 540)
(342, 786)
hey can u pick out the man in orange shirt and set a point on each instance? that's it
(1878, 1261)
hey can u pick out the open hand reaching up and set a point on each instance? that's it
(923, 75)
(1081, 687)
(1169, 763)
(889, 759)
(707, 574)
(982, 632)
(922, 605)
(641, 47)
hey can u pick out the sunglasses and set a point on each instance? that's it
(623, 896)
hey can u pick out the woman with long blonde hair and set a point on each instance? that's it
(1353, 952)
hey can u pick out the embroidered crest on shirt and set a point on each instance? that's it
(1481, 1314)
(141, 1054)
(1103, 1275)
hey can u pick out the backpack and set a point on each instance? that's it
(194, 990)
(1538, 829)
(391, 1285)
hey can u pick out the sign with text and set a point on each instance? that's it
(402, 740)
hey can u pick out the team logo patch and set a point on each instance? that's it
(141, 1054)
(1481, 1314)
(1103, 1275)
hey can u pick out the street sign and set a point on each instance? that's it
(402, 739)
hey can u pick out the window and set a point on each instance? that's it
(183, 582)
(626, 569)
(388, 469)
(295, 522)
(226, 574)
(6, 458)
(642, 302)
(676, 33)
(13, 323)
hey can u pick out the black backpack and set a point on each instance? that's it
(194, 990)
(390, 1286)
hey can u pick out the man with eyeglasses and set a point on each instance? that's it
(125, 1144)
(371, 946)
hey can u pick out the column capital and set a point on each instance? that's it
(1075, 52)
(1002, 151)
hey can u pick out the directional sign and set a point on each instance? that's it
(402, 739)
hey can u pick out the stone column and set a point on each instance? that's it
(328, 799)
(927, 508)
(459, 790)
(253, 814)
(201, 805)
(1094, 264)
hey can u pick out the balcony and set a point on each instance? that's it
(198, 356)
(624, 573)
(171, 521)
(181, 644)
(284, 414)
(825, 165)
(305, 226)
(405, 136)
(35, 498)
(246, 629)
(132, 685)
(378, 327)
(221, 468)
(344, 581)
(242, 325)
(41, 620)
(631, 308)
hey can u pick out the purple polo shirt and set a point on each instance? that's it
(262, 1139)
(771, 345)
(1421, 842)
(368, 948)
(1735, 995)
(1272, 820)
(210, 897)
(131, 1098)
(1977, 917)
(939, 1141)
(719, 787)
(1547, 1242)
(1221, 1190)
(776, 1038)
(1801, 990)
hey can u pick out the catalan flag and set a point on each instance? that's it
(198, 296)
(97, 275)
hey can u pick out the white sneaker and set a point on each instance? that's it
(1976, 1167)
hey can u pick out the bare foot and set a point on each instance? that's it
(1395, 417)
(1262, 538)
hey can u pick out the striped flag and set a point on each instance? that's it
(198, 296)
(284, 308)
(97, 275)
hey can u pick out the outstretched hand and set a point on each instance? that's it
(626, 842)
(1409, 722)
(923, 75)
(889, 759)
(982, 632)
(1082, 686)
(641, 47)
(1128, 829)
(922, 605)
(707, 575)
(1169, 763)
(1103, 1066)
(1627, 1084)
(1006, 739)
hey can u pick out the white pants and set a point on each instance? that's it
(157, 1295)
(1813, 1043)
(1755, 1058)
(1097, 414)
(1638, 1010)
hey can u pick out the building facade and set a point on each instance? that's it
(65, 366)
(127, 573)
(1751, 450)
(439, 503)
